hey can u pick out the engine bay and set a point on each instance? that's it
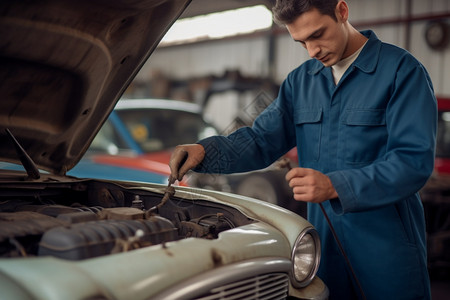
(85, 219)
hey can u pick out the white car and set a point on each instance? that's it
(64, 65)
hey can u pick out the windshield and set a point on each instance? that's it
(160, 129)
(108, 140)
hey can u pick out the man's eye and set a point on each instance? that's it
(317, 35)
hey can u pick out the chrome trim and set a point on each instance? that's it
(313, 232)
(203, 283)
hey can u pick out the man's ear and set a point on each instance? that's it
(342, 11)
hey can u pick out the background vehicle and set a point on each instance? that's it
(143, 132)
(139, 136)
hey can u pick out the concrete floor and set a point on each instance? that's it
(440, 285)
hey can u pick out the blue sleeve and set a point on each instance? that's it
(256, 147)
(411, 120)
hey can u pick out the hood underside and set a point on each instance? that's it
(65, 64)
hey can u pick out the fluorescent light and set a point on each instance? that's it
(219, 25)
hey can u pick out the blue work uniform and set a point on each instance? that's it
(374, 135)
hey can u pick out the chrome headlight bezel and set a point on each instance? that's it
(308, 237)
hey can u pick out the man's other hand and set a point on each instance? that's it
(310, 185)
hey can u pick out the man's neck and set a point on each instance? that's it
(355, 41)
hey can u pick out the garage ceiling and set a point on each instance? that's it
(201, 7)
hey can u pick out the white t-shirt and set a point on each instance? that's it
(340, 67)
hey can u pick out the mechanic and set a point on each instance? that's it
(363, 116)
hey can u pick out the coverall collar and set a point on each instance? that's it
(367, 59)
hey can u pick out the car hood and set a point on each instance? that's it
(63, 67)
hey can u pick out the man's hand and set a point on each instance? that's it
(310, 185)
(184, 158)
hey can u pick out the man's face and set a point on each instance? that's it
(323, 37)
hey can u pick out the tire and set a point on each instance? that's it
(270, 187)
(259, 187)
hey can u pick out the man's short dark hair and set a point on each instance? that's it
(286, 11)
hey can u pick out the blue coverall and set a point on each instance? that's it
(374, 135)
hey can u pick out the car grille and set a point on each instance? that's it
(265, 278)
(268, 286)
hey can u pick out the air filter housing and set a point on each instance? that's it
(96, 238)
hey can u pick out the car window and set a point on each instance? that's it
(159, 129)
(108, 140)
(443, 136)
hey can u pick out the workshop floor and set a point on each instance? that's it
(440, 286)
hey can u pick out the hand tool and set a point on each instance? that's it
(169, 192)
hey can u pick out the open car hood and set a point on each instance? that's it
(63, 67)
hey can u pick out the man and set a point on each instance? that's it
(362, 114)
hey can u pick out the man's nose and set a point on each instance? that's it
(313, 49)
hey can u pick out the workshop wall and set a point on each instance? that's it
(211, 58)
(401, 22)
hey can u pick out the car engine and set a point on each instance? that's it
(85, 219)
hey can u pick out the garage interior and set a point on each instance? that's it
(229, 75)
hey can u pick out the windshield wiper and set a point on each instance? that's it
(27, 162)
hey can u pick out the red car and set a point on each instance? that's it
(436, 193)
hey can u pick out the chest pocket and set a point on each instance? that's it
(308, 128)
(364, 134)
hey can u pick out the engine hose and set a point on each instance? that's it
(284, 163)
(344, 254)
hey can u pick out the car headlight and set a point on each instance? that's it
(305, 257)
